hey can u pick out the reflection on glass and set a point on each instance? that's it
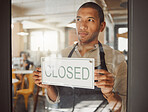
(44, 40)
(47, 29)
(123, 41)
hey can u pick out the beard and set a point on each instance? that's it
(88, 39)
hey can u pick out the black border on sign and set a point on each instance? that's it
(137, 63)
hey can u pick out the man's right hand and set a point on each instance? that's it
(51, 90)
(37, 76)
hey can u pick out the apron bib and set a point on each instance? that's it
(70, 97)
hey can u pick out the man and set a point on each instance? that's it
(110, 69)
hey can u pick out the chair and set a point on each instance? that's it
(43, 91)
(27, 92)
(15, 85)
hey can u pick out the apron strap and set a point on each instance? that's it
(70, 54)
(102, 56)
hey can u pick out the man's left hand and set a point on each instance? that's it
(106, 83)
(105, 80)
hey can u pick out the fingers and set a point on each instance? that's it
(101, 71)
(39, 83)
(38, 69)
(37, 79)
(104, 84)
(37, 76)
(36, 73)
(104, 77)
(101, 74)
(105, 80)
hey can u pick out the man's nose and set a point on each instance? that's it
(83, 26)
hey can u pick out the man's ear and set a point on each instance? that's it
(102, 26)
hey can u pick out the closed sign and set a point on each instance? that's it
(71, 72)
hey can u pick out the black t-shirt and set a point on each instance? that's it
(28, 64)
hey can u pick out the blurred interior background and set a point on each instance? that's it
(45, 27)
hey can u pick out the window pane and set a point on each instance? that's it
(50, 41)
(122, 41)
(36, 40)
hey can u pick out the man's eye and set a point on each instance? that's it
(91, 20)
(78, 19)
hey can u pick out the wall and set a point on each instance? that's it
(110, 25)
(17, 41)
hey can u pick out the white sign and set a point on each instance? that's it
(71, 72)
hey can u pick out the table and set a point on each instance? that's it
(15, 81)
(23, 71)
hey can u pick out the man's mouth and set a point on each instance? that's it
(83, 34)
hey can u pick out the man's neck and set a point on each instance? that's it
(84, 47)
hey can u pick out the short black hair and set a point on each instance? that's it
(94, 6)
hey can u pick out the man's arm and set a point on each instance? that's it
(106, 83)
(52, 93)
(109, 81)
(51, 90)
(120, 84)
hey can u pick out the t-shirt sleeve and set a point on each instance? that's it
(120, 84)
(50, 101)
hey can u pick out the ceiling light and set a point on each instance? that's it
(22, 33)
(72, 25)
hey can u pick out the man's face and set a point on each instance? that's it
(87, 25)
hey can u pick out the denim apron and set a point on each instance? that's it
(70, 97)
